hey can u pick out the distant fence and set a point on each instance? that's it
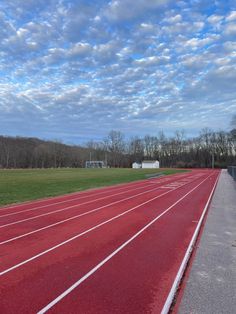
(232, 171)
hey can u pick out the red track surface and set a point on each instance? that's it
(110, 250)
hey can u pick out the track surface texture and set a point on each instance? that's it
(111, 250)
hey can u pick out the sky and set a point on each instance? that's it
(73, 70)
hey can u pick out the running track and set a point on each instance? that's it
(111, 250)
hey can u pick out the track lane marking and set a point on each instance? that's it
(65, 220)
(98, 266)
(87, 231)
(77, 236)
(91, 190)
(77, 198)
(70, 218)
(77, 205)
(74, 199)
(112, 187)
(144, 184)
(173, 290)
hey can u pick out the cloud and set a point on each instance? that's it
(196, 43)
(119, 10)
(90, 66)
(230, 29)
(215, 19)
(231, 16)
(152, 61)
(174, 19)
(230, 46)
(80, 49)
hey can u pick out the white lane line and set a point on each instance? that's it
(68, 219)
(112, 187)
(83, 193)
(144, 184)
(166, 187)
(34, 202)
(79, 193)
(78, 235)
(85, 232)
(77, 205)
(73, 206)
(172, 293)
(93, 270)
(70, 200)
(71, 218)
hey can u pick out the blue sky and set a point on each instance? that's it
(74, 70)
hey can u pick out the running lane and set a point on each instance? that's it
(127, 265)
(20, 222)
(77, 196)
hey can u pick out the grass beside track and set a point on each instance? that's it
(23, 185)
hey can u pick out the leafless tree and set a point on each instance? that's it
(115, 144)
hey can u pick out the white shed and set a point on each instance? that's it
(150, 164)
(136, 165)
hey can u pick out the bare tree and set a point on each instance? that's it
(115, 145)
(136, 149)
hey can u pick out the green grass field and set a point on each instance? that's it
(22, 185)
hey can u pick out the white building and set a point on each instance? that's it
(150, 164)
(136, 165)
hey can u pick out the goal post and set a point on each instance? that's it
(95, 164)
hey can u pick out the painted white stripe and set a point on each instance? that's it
(85, 232)
(112, 187)
(144, 184)
(78, 236)
(63, 221)
(74, 199)
(68, 219)
(77, 205)
(92, 271)
(172, 293)
(166, 187)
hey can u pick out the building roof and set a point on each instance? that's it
(149, 161)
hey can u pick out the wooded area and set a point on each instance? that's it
(176, 151)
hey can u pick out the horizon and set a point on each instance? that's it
(73, 70)
(84, 143)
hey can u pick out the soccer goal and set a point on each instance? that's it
(95, 164)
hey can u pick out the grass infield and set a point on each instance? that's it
(23, 185)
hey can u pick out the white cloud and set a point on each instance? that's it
(153, 60)
(222, 61)
(174, 19)
(195, 61)
(215, 19)
(147, 28)
(231, 16)
(196, 43)
(120, 10)
(107, 52)
(71, 63)
(184, 27)
(230, 29)
(230, 45)
(80, 49)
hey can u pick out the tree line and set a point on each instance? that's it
(176, 151)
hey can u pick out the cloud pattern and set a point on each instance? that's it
(73, 70)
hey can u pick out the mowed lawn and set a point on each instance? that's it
(22, 185)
